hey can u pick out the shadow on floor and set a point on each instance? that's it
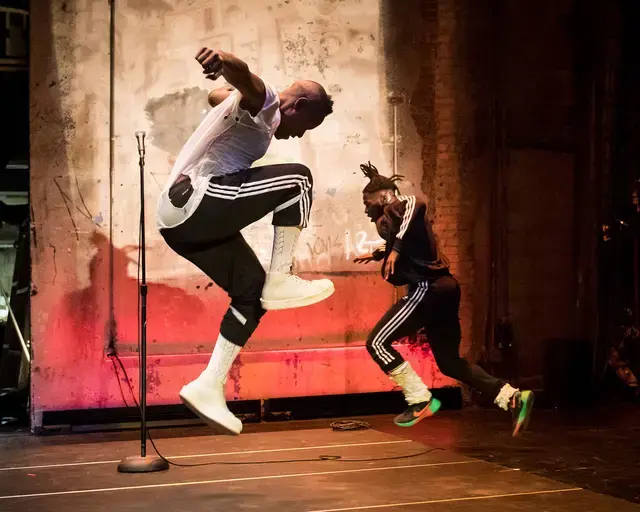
(597, 449)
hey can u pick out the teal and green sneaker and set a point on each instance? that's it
(521, 405)
(417, 412)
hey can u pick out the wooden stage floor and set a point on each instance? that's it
(279, 468)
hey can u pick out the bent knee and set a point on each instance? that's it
(453, 369)
(300, 169)
(371, 348)
(247, 312)
(250, 286)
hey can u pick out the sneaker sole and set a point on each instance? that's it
(430, 412)
(519, 428)
(274, 305)
(218, 427)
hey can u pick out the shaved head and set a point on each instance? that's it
(314, 92)
(303, 106)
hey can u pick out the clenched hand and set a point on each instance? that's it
(211, 62)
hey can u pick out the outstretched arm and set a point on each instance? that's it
(376, 255)
(216, 63)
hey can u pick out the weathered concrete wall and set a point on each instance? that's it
(69, 194)
(85, 214)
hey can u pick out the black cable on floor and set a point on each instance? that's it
(350, 425)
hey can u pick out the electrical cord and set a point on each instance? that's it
(343, 425)
(339, 425)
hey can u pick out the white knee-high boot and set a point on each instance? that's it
(205, 395)
(282, 289)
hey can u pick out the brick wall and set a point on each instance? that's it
(538, 83)
(442, 53)
(436, 56)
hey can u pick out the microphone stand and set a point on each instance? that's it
(143, 463)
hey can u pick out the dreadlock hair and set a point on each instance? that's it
(378, 182)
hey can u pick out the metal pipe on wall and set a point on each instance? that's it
(395, 99)
(112, 82)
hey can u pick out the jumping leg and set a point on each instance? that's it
(234, 267)
(444, 336)
(244, 198)
(402, 319)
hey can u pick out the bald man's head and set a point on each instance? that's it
(303, 106)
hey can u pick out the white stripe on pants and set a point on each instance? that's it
(409, 307)
(266, 186)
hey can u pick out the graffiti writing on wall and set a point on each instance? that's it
(326, 251)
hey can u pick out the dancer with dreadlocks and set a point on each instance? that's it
(213, 192)
(411, 257)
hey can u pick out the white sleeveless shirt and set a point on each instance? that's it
(228, 140)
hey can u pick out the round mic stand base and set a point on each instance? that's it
(138, 464)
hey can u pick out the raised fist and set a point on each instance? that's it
(211, 62)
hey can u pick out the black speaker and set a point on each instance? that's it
(568, 372)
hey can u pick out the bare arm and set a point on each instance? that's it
(217, 96)
(375, 255)
(216, 63)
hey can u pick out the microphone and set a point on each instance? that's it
(140, 136)
(396, 98)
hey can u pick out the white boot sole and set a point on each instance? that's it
(215, 423)
(298, 302)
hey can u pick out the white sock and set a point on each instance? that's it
(400, 369)
(224, 354)
(505, 394)
(285, 239)
(415, 391)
